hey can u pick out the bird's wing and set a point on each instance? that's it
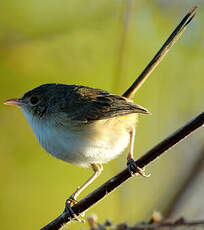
(88, 104)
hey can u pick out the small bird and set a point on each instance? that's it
(81, 125)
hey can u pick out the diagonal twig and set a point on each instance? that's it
(121, 177)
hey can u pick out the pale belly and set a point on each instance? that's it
(82, 150)
(99, 142)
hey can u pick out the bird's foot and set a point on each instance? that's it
(68, 208)
(134, 169)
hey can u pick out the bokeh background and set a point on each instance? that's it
(79, 42)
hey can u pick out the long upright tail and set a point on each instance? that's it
(161, 53)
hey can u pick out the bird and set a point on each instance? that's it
(81, 125)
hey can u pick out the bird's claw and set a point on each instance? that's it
(72, 201)
(134, 169)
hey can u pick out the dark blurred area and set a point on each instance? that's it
(78, 42)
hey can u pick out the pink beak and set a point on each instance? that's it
(13, 101)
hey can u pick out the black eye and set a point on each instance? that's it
(34, 100)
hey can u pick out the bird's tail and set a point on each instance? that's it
(161, 53)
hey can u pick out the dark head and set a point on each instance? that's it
(43, 99)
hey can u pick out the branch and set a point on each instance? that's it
(144, 225)
(121, 177)
(178, 223)
(161, 53)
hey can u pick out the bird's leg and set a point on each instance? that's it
(97, 168)
(132, 166)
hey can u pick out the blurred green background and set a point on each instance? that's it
(79, 42)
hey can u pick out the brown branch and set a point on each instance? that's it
(142, 226)
(178, 223)
(121, 177)
(161, 53)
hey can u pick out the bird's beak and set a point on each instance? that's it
(13, 101)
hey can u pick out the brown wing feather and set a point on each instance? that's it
(89, 104)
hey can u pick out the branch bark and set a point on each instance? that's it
(181, 222)
(162, 224)
(121, 177)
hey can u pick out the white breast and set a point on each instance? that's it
(81, 147)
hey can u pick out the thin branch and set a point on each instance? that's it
(161, 53)
(121, 177)
(144, 225)
(178, 223)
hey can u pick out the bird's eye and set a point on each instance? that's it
(34, 100)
